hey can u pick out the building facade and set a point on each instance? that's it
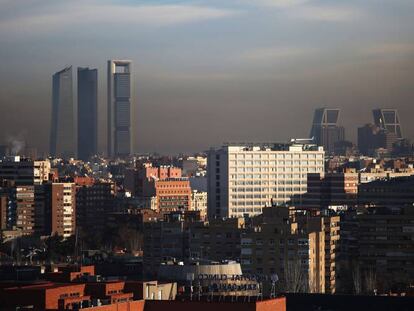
(87, 113)
(280, 245)
(242, 179)
(93, 204)
(120, 108)
(137, 178)
(25, 171)
(389, 120)
(25, 209)
(199, 202)
(62, 134)
(377, 248)
(60, 209)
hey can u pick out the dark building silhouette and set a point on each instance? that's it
(369, 138)
(325, 129)
(87, 112)
(62, 134)
(384, 133)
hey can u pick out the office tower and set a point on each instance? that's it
(387, 119)
(242, 179)
(120, 112)
(325, 129)
(87, 112)
(62, 133)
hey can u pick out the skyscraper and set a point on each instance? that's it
(325, 129)
(119, 108)
(62, 134)
(387, 119)
(87, 112)
(383, 134)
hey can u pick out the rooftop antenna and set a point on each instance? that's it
(190, 279)
(273, 278)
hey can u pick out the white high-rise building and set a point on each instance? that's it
(244, 178)
(120, 108)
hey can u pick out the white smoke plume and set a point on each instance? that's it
(16, 144)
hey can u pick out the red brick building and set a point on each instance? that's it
(173, 194)
(112, 296)
(135, 179)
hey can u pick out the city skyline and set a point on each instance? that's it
(242, 68)
(205, 154)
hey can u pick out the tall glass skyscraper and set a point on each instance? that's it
(62, 133)
(325, 128)
(87, 112)
(120, 133)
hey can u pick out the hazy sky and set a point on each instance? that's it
(207, 72)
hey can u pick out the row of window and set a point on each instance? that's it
(267, 189)
(276, 156)
(265, 183)
(274, 163)
(274, 176)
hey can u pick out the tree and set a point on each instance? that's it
(295, 279)
(356, 279)
(370, 281)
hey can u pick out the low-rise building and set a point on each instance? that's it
(199, 202)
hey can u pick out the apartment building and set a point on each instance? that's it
(25, 171)
(171, 194)
(387, 192)
(243, 178)
(93, 203)
(378, 247)
(25, 209)
(179, 237)
(136, 178)
(60, 209)
(218, 239)
(329, 223)
(279, 245)
(199, 202)
(350, 188)
(329, 189)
